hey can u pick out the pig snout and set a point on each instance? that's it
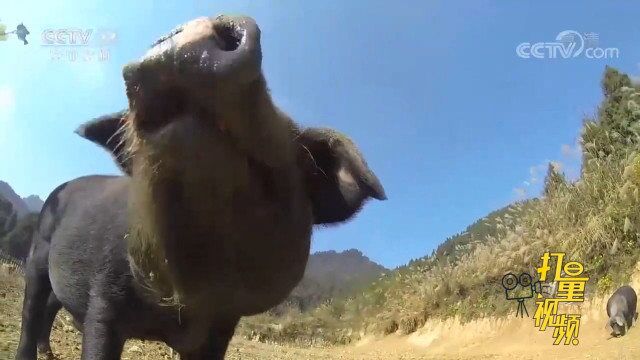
(205, 51)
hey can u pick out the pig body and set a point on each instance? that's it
(621, 309)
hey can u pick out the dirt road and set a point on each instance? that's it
(513, 338)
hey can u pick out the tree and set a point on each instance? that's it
(18, 241)
(11, 222)
(616, 130)
(554, 181)
(7, 216)
(3, 32)
(613, 80)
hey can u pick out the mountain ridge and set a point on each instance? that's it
(332, 274)
(22, 206)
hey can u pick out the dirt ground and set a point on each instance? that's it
(514, 338)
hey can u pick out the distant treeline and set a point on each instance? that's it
(15, 233)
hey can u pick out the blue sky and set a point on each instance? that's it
(454, 123)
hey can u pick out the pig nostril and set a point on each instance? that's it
(228, 36)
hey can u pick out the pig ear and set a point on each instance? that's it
(108, 132)
(336, 175)
(619, 321)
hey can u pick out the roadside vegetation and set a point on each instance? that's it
(595, 220)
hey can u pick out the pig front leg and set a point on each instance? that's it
(218, 342)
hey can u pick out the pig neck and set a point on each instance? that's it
(179, 234)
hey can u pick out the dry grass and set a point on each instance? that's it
(595, 220)
(66, 340)
(489, 338)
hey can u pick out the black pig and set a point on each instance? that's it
(212, 221)
(621, 309)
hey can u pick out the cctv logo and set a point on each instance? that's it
(77, 37)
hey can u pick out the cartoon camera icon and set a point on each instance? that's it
(520, 288)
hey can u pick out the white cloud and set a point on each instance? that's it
(533, 184)
(537, 172)
(520, 193)
(569, 164)
(571, 151)
(572, 160)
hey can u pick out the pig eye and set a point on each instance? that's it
(161, 108)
